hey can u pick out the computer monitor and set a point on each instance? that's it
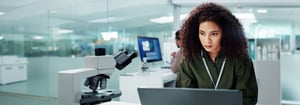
(149, 47)
(189, 96)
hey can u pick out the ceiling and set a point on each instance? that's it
(38, 16)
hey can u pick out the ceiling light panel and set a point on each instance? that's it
(1, 13)
(262, 11)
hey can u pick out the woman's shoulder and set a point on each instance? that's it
(194, 61)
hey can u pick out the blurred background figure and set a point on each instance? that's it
(176, 56)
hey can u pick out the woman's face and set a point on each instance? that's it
(210, 35)
(179, 42)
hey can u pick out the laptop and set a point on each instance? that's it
(189, 96)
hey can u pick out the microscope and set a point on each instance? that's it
(94, 75)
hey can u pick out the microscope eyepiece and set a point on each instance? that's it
(123, 59)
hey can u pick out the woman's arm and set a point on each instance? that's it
(246, 82)
(176, 61)
(185, 78)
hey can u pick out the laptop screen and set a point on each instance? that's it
(189, 96)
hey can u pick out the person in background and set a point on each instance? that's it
(176, 56)
(215, 53)
(94, 45)
(85, 49)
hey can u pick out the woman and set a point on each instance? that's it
(176, 56)
(215, 53)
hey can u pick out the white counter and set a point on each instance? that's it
(129, 82)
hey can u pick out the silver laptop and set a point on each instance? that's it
(189, 96)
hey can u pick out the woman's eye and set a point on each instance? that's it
(201, 33)
(214, 34)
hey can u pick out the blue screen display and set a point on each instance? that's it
(149, 47)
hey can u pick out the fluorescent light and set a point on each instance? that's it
(246, 17)
(109, 35)
(38, 37)
(64, 31)
(167, 19)
(262, 11)
(52, 12)
(1, 37)
(163, 19)
(103, 20)
(1, 13)
(183, 16)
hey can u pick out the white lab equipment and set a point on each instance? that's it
(72, 84)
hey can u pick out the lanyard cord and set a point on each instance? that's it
(209, 74)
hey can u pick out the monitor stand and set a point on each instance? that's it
(166, 65)
(144, 68)
(155, 66)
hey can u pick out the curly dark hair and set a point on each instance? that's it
(233, 42)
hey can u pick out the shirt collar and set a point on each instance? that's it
(205, 54)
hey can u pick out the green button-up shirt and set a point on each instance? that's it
(238, 74)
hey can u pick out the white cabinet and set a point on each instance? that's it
(268, 81)
(12, 69)
(129, 83)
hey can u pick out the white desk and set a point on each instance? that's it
(129, 83)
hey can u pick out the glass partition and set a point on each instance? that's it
(73, 34)
(75, 31)
(61, 36)
(20, 45)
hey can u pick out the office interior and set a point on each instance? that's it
(48, 36)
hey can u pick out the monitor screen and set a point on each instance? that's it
(149, 47)
(298, 42)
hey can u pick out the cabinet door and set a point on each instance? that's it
(22, 72)
(8, 72)
(13, 73)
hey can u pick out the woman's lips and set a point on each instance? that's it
(208, 46)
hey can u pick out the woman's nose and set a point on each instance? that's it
(207, 39)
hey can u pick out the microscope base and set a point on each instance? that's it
(93, 98)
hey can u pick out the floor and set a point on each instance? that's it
(21, 99)
(34, 91)
(32, 86)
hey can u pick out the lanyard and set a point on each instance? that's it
(209, 74)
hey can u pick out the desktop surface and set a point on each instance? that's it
(158, 65)
(129, 82)
(117, 103)
(189, 96)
